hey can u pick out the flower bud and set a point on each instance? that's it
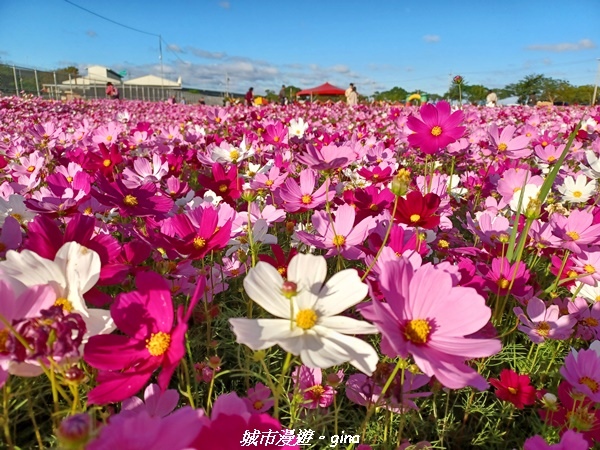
(249, 195)
(400, 183)
(74, 375)
(214, 362)
(289, 289)
(74, 432)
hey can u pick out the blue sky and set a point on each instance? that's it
(377, 44)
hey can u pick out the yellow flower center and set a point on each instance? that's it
(339, 240)
(199, 243)
(417, 331)
(551, 158)
(218, 119)
(572, 274)
(373, 207)
(306, 199)
(106, 162)
(544, 144)
(543, 329)
(69, 179)
(503, 283)
(257, 405)
(443, 243)
(269, 183)
(66, 305)
(109, 138)
(436, 131)
(317, 390)
(590, 322)
(306, 319)
(234, 155)
(577, 194)
(414, 218)
(158, 343)
(130, 200)
(502, 146)
(589, 268)
(276, 138)
(223, 188)
(30, 168)
(4, 334)
(573, 235)
(512, 390)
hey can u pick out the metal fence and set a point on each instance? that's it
(61, 85)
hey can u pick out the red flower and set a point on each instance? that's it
(437, 129)
(227, 185)
(104, 162)
(418, 210)
(151, 339)
(514, 388)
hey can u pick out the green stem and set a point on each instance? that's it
(385, 239)
(6, 422)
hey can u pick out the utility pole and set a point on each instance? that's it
(596, 85)
(162, 75)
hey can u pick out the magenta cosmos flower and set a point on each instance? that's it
(582, 371)
(436, 129)
(150, 340)
(429, 318)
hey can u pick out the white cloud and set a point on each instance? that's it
(200, 53)
(583, 44)
(175, 48)
(224, 5)
(431, 38)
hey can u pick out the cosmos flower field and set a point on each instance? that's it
(304, 276)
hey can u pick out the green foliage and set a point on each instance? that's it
(394, 95)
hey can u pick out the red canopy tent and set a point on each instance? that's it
(324, 89)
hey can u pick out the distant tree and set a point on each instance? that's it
(476, 93)
(394, 95)
(530, 85)
(74, 71)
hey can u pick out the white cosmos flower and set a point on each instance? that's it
(74, 271)
(593, 171)
(307, 321)
(590, 293)
(577, 191)
(15, 207)
(531, 193)
(297, 127)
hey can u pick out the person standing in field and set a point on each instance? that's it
(282, 96)
(111, 91)
(491, 99)
(249, 96)
(353, 97)
(348, 92)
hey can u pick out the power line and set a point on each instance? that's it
(112, 21)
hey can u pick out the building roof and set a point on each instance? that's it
(153, 80)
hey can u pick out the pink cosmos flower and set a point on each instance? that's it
(156, 403)
(233, 426)
(582, 372)
(151, 340)
(588, 318)
(436, 129)
(270, 181)
(513, 148)
(571, 440)
(543, 323)
(327, 157)
(343, 237)
(588, 266)
(145, 432)
(576, 230)
(10, 235)
(303, 197)
(260, 398)
(366, 391)
(429, 318)
(501, 274)
(309, 381)
(140, 201)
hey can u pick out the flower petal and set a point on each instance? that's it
(263, 285)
